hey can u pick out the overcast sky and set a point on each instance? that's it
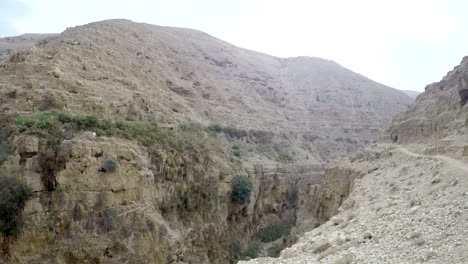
(405, 44)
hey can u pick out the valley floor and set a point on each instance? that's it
(407, 208)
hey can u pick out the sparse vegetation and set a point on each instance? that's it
(235, 133)
(166, 207)
(261, 137)
(5, 136)
(242, 186)
(193, 196)
(4, 150)
(257, 136)
(162, 230)
(109, 165)
(236, 150)
(13, 196)
(275, 231)
(252, 250)
(47, 167)
(108, 219)
(282, 156)
(235, 251)
(274, 251)
(56, 125)
(292, 196)
(215, 128)
(77, 213)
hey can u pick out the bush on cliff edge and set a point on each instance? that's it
(13, 197)
(242, 186)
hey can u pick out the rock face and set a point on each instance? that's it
(398, 203)
(276, 121)
(439, 113)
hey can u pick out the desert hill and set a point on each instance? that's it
(170, 75)
(148, 144)
(11, 45)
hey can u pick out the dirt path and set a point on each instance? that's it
(452, 162)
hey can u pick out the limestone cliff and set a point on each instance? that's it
(438, 113)
(398, 203)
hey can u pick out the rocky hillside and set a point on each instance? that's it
(439, 114)
(129, 142)
(402, 200)
(171, 75)
(12, 45)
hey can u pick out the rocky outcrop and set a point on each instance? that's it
(139, 212)
(12, 45)
(439, 112)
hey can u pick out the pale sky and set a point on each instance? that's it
(404, 44)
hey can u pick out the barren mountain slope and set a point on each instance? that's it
(404, 202)
(11, 45)
(118, 67)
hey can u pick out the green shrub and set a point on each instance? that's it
(195, 195)
(43, 124)
(108, 219)
(275, 231)
(236, 153)
(65, 117)
(208, 189)
(293, 196)
(43, 121)
(236, 133)
(162, 230)
(13, 197)
(131, 117)
(242, 186)
(46, 160)
(109, 165)
(191, 127)
(252, 250)
(274, 251)
(235, 251)
(77, 213)
(236, 150)
(215, 128)
(4, 150)
(284, 157)
(261, 137)
(5, 135)
(166, 207)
